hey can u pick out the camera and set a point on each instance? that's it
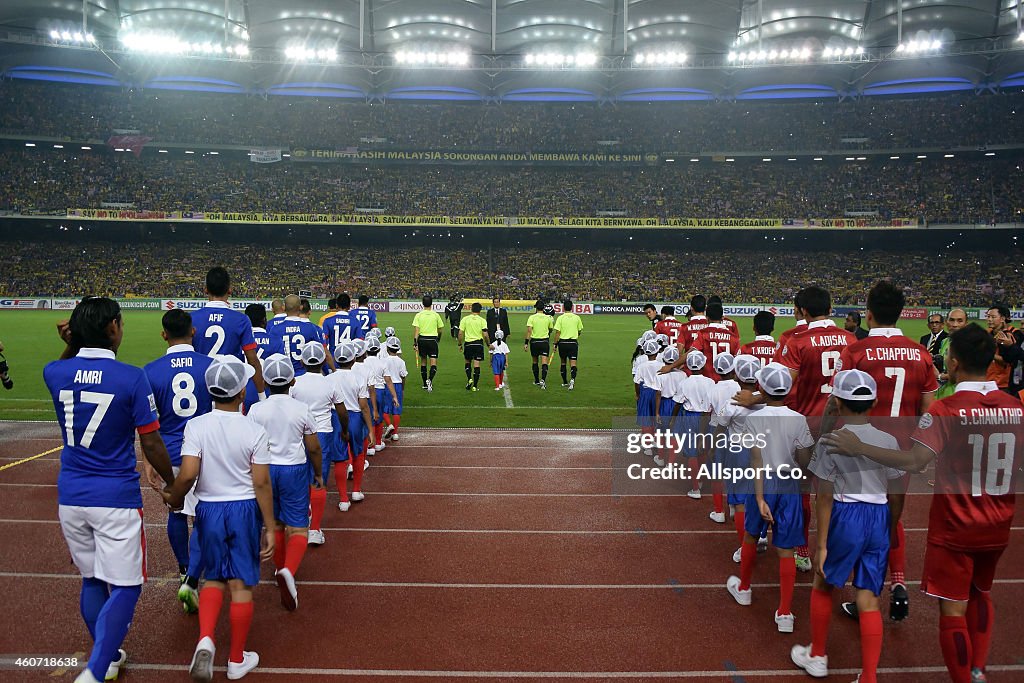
(939, 361)
(4, 377)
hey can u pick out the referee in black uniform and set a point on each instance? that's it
(453, 314)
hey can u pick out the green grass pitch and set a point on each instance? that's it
(603, 389)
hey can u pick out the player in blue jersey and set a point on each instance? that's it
(340, 327)
(100, 404)
(267, 344)
(363, 319)
(277, 306)
(220, 330)
(295, 332)
(179, 386)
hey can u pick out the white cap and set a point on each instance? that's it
(278, 370)
(394, 343)
(746, 368)
(640, 341)
(498, 334)
(651, 347)
(695, 360)
(670, 355)
(854, 385)
(389, 332)
(775, 379)
(661, 339)
(724, 363)
(313, 353)
(374, 332)
(227, 376)
(371, 343)
(345, 352)
(360, 346)
(649, 334)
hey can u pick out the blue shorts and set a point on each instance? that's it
(788, 512)
(339, 449)
(381, 395)
(858, 544)
(389, 406)
(737, 491)
(645, 407)
(290, 484)
(356, 432)
(690, 427)
(229, 536)
(497, 363)
(665, 409)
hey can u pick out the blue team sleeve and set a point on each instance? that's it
(144, 412)
(373, 318)
(245, 337)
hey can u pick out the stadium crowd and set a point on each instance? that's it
(90, 113)
(939, 191)
(170, 270)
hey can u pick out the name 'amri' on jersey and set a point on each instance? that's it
(178, 380)
(338, 328)
(100, 403)
(294, 333)
(222, 331)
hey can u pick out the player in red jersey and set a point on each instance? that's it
(696, 321)
(715, 339)
(813, 354)
(727, 321)
(903, 371)
(668, 325)
(764, 345)
(800, 326)
(976, 439)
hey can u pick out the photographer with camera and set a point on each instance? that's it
(5, 377)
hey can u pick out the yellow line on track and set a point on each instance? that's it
(29, 459)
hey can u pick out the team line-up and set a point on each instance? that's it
(245, 448)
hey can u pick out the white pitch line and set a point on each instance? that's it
(508, 396)
(666, 585)
(503, 532)
(730, 674)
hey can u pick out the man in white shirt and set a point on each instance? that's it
(234, 495)
(294, 455)
(354, 392)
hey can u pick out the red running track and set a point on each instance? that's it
(478, 555)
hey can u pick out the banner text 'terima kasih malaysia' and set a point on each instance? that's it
(116, 214)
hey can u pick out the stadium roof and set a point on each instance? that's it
(626, 49)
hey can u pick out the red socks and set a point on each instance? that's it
(279, 548)
(210, 600)
(395, 420)
(378, 433)
(717, 496)
(357, 472)
(898, 557)
(241, 620)
(821, 615)
(787, 580)
(748, 553)
(341, 478)
(740, 519)
(296, 549)
(956, 648)
(871, 645)
(979, 626)
(317, 503)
